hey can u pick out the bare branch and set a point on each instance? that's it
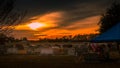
(9, 17)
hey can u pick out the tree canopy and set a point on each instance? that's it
(110, 18)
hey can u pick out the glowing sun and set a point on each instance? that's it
(35, 25)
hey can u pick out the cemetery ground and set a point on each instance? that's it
(35, 61)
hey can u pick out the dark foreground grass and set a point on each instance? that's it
(32, 61)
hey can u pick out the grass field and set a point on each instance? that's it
(32, 61)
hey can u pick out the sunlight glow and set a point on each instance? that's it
(35, 25)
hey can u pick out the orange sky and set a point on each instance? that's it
(51, 27)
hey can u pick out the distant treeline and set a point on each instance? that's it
(70, 38)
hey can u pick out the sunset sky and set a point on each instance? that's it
(59, 17)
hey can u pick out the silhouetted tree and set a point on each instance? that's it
(110, 18)
(8, 16)
(3, 39)
(24, 39)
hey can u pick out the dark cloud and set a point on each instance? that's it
(74, 10)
